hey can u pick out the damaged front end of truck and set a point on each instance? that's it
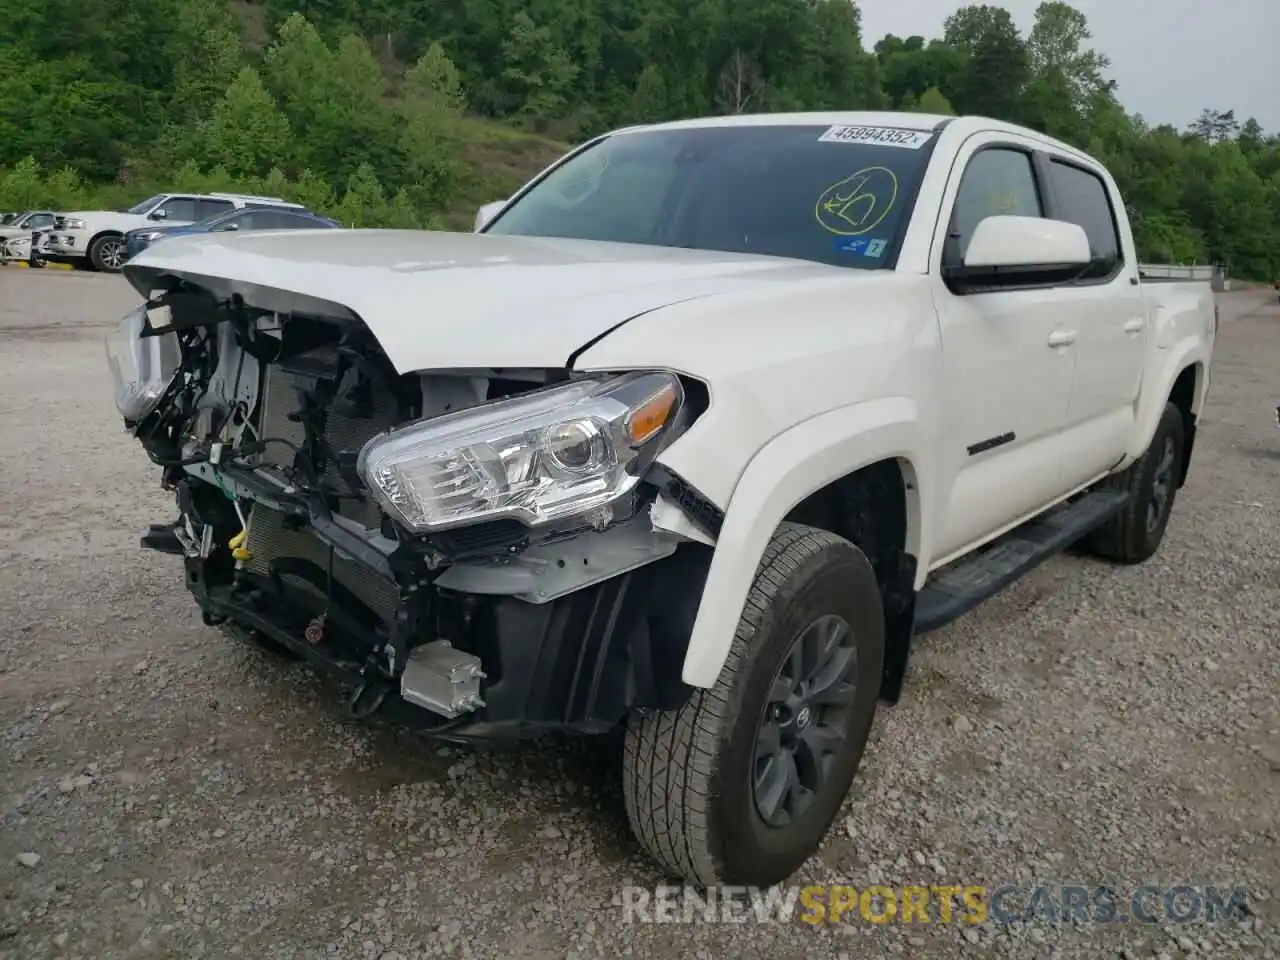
(489, 553)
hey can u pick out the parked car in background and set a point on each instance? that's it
(25, 223)
(16, 232)
(252, 218)
(94, 239)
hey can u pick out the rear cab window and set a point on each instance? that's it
(1081, 197)
(838, 195)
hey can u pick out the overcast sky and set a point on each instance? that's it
(1170, 58)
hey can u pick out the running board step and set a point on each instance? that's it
(955, 590)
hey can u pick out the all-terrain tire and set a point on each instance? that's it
(688, 773)
(99, 252)
(1136, 533)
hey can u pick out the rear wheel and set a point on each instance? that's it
(740, 785)
(106, 252)
(1152, 483)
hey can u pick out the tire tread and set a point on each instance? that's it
(669, 757)
(1122, 539)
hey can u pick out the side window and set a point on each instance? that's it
(1080, 197)
(265, 220)
(40, 221)
(178, 209)
(241, 221)
(212, 208)
(288, 221)
(996, 181)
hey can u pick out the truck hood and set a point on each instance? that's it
(436, 300)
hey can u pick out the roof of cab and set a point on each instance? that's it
(878, 118)
(971, 123)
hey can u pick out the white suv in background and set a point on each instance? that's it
(94, 239)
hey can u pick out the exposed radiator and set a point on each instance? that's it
(268, 538)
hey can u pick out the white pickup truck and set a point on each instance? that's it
(691, 439)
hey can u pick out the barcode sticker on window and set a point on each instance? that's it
(880, 136)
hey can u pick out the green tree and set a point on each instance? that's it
(431, 139)
(247, 133)
(998, 67)
(435, 82)
(648, 103)
(365, 202)
(23, 187)
(1058, 47)
(206, 52)
(932, 101)
(539, 71)
(1215, 126)
(337, 97)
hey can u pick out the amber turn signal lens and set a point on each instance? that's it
(652, 415)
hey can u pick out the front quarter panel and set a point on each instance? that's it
(807, 383)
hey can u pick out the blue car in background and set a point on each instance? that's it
(249, 218)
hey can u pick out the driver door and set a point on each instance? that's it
(1006, 374)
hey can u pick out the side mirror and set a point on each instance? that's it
(1008, 241)
(488, 212)
(160, 214)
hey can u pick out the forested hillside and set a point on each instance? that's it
(390, 112)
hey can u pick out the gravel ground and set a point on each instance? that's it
(167, 792)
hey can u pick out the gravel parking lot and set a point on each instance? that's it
(166, 792)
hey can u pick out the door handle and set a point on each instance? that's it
(1062, 338)
(1134, 326)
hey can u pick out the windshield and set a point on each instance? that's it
(836, 195)
(145, 205)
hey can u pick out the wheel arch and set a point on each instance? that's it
(871, 458)
(1187, 394)
(1181, 378)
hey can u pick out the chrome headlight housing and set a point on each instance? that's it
(72, 223)
(142, 367)
(149, 235)
(538, 458)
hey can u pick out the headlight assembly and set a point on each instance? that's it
(538, 458)
(141, 367)
(150, 235)
(73, 223)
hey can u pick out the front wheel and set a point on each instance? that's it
(106, 253)
(740, 785)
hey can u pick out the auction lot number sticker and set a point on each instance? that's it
(881, 136)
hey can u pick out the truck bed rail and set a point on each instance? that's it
(1177, 271)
